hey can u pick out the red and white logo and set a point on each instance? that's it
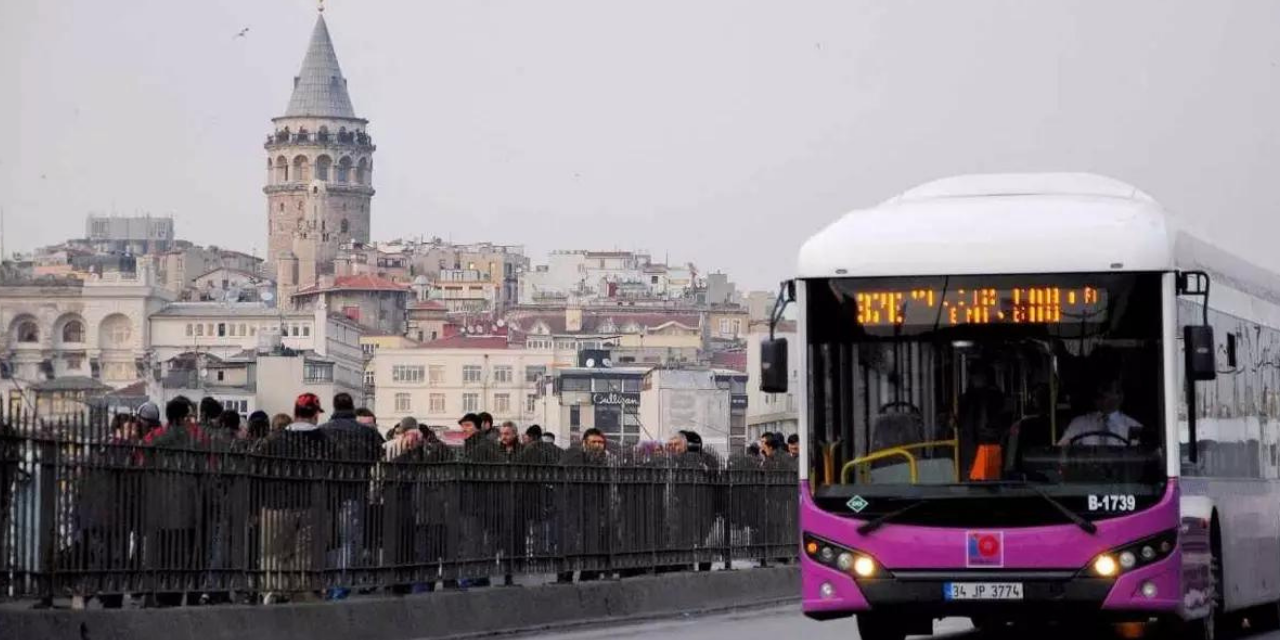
(984, 549)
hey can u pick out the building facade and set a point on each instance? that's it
(441, 381)
(136, 235)
(94, 330)
(319, 171)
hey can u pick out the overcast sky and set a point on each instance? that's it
(718, 131)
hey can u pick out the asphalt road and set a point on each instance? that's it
(774, 623)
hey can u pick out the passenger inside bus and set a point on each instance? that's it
(1106, 425)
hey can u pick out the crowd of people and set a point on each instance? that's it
(301, 493)
(207, 423)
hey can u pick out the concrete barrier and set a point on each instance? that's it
(428, 616)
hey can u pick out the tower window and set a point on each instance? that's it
(344, 226)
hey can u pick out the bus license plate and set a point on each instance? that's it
(982, 590)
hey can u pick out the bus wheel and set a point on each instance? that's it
(1206, 628)
(880, 627)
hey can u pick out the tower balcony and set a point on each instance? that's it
(342, 140)
(332, 188)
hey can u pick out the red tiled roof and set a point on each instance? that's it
(467, 342)
(736, 360)
(357, 283)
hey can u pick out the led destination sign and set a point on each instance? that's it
(1005, 305)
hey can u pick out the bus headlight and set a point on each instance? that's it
(1134, 555)
(1106, 566)
(864, 566)
(843, 559)
(1128, 560)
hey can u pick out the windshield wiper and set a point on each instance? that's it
(1075, 518)
(879, 521)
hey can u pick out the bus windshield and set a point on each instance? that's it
(1005, 386)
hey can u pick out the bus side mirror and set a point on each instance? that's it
(773, 365)
(1198, 342)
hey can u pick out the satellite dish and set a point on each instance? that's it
(606, 363)
(501, 322)
(267, 296)
(591, 362)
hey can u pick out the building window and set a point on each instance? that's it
(502, 374)
(74, 363)
(243, 331)
(73, 332)
(191, 331)
(28, 332)
(306, 331)
(208, 329)
(530, 403)
(534, 373)
(200, 330)
(222, 330)
(313, 372)
(470, 402)
(295, 331)
(403, 403)
(408, 374)
(222, 376)
(437, 403)
(502, 403)
(471, 373)
(368, 378)
(435, 375)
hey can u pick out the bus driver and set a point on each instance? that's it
(1106, 425)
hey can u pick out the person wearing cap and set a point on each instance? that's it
(148, 417)
(291, 518)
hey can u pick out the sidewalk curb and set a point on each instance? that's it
(434, 616)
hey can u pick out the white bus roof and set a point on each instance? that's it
(1020, 223)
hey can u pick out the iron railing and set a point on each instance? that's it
(88, 512)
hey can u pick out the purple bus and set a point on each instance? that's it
(1030, 400)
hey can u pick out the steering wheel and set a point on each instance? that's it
(1107, 434)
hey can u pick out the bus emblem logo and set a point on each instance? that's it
(984, 548)
(857, 504)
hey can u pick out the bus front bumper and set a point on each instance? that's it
(1148, 591)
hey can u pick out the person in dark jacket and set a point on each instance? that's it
(210, 411)
(357, 449)
(174, 494)
(258, 426)
(293, 500)
(509, 440)
(589, 504)
(531, 435)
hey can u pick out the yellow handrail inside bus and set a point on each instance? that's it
(954, 444)
(902, 451)
(882, 454)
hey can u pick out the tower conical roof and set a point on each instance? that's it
(319, 90)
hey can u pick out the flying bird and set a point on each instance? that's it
(242, 33)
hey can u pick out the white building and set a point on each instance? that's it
(253, 356)
(442, 380)
(92, 331)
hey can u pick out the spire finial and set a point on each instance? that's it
(321, 6)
